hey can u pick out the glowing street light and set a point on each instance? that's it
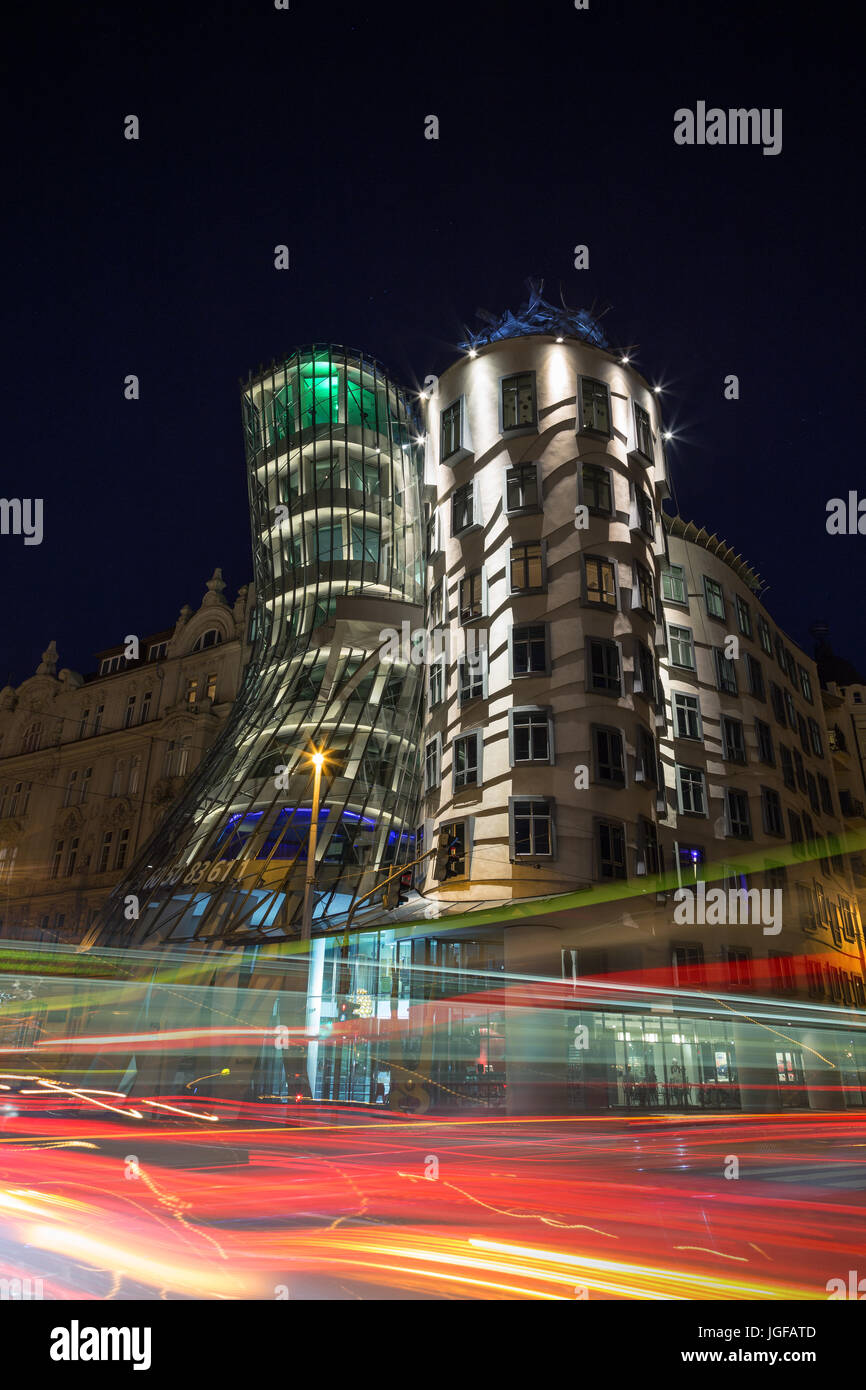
(318, 759)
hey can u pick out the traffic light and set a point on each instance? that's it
(396, 892)
(451, 854)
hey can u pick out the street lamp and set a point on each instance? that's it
(317, 758)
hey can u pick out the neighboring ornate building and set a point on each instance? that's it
(89, 764)
(843, 690)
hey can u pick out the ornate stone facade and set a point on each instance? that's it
(90, 764)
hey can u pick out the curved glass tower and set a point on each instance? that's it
(334, 477)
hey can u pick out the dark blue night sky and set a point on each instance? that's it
(306, 127)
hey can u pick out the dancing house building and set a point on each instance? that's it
(327, 719)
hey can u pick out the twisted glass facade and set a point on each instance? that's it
(334, 477)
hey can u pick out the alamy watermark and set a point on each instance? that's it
(736, 126)
(718, 907)
(421, 647)
(22, 516)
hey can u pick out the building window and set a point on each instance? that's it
(737, 817)
(726, 672)
(765, 743)
(594, 407)
(787, 767)
(529, 650)
(799, 768)
(826, 795)
(437, 681)
(451, 433)
(109, 664)
(97, 719)
(739, 960)
(647, 761)
(122, 848)
(681, 647)
(211, 638)
(134, 769)
(790, 709)
(85, 785)
(437, 605)
(812, 793)
(687, 961)
(643, 433)
(599, 582)
(775, 875)
(756, 677)
(531, 827)
(687, 716)
(522, 492)
(527, 568)
(644, 513)
(118, 776)
(19, 800)
(530, 733)
(471, 596)
(815, 739)
(182, 756)
(463, 509)
(105, 851)
(608, 756)
(472, 677)
(434, 534)
(795, 833)
(674, 588)
(778, 703)
(191, 694)
(733, 740)
(691, 791)
(597, 489)
(771, 811)
(69, 795)
(57, 858)
(129, 713)
(610, 849)
(644, 672)
(744, 616)
(604, 666)
(157, 651)
(782, 971)
(433, 763)
(644, 586)
(72, 856)
(8, 855)
(466, 758)
(714, 598)
(82, 727)
(650, 860)
(144, 712)
(210, 686)
(32, 738)
(765, 637)
(806, 684)
(518, 401)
